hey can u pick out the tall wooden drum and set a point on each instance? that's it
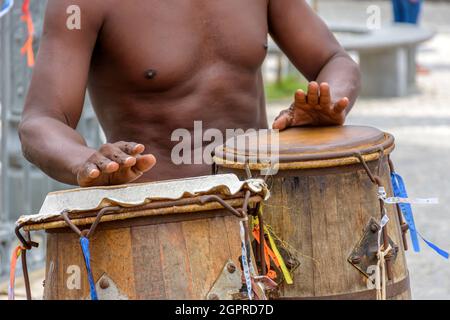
(326, 203)
(165, 240)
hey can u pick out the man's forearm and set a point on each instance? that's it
(54, 147)
(343, 76)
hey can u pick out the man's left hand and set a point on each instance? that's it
(314, 108)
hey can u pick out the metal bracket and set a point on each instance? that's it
(108, 290)
(364, 254)
(227, 284)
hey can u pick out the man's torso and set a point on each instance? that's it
(161, 65)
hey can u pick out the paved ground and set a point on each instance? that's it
(421, 125)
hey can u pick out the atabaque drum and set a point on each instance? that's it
(164, 240)
(327, 209)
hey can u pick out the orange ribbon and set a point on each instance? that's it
(268, 254)
(12, 272)
(28, 45)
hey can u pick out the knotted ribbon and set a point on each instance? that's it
(246, 264)
(380, 272)
(12, 271)
(87, 259)
(28, 45)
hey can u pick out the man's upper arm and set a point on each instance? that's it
(59, 79)
(302, 35)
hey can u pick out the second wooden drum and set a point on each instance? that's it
(324, 203)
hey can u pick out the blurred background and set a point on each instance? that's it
(406, 91)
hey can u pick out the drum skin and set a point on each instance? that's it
(173, 257)
(320, 206)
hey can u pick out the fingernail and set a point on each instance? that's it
(130, 159)
(92, 173)
(139, 146)
(113, 165)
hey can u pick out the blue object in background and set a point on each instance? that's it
(6, 6)
(407, 11)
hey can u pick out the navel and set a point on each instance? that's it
(150, 74)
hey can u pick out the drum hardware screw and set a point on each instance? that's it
(405, 227)
(374, 228)
(231, 268)
(104, 284)
(213, 296)
(43, 283)
(356, 259)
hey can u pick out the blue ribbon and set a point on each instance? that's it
(87, 259)
(7, 5)
(441, 252)
(400, 191)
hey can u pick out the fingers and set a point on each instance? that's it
(341, 105)
(87, 174)
(144, 162)
(115, 163)
(114, 153)
(283, 121)
(103, 163)
(300, 102)
(313, 93)
(93, 167)
(300, 97)
(325, 95)
(130, 148)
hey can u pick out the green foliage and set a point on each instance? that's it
(285, 88)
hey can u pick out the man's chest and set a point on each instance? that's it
(171, 40)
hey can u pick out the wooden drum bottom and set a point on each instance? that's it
(145, 260)
(322, 213)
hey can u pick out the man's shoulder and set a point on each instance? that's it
(91, 13)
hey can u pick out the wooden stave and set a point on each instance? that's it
(63, 250)
(394, 231)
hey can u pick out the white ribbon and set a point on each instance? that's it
(257, 186)
(394, 200)
(380, 271)
(245, 264)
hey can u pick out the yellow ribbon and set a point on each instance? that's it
(284, 269)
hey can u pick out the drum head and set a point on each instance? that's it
(303, 144)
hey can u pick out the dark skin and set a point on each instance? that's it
(154, 66)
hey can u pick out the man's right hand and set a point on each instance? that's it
(115, 163)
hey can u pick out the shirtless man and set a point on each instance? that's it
(152, 66)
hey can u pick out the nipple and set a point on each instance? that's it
(150, 74)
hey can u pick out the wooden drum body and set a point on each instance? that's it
(172, 248)
(323, 204)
